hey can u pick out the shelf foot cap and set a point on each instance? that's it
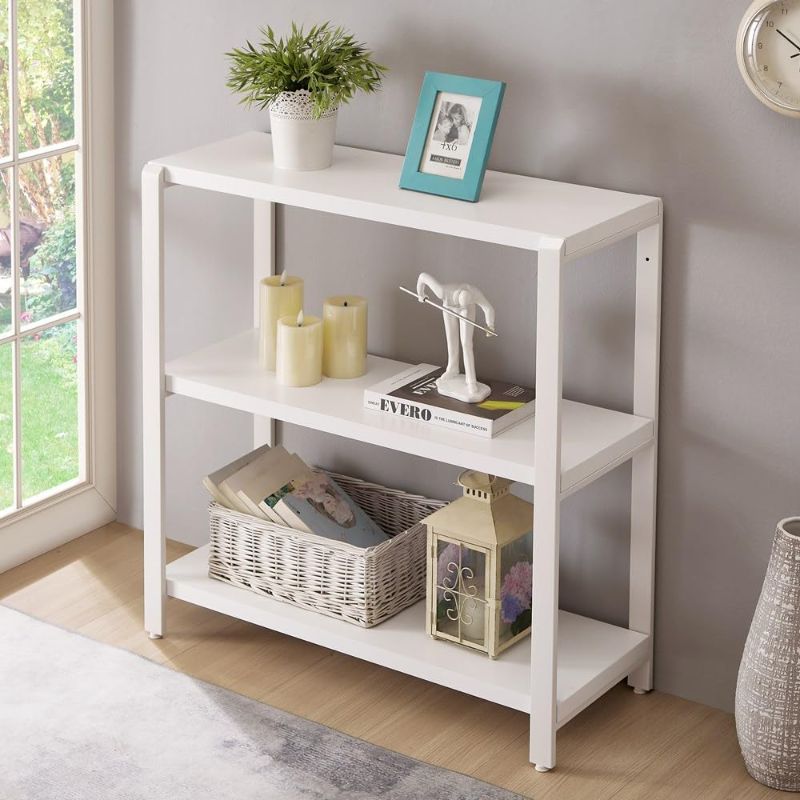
(541, 768)
(154, 635)
(637, 690)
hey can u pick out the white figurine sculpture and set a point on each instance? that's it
(462, 298)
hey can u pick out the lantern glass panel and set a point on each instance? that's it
(461, 592)
(516, 561)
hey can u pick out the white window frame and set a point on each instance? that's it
(92, 500)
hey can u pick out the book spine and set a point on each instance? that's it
(270, 513)
(290, 519)
(252, 508)
(215, 493)
(420, 412)
(232, 501)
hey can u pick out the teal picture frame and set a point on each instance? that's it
(468, 187)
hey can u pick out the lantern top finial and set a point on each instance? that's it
(480, 486)
(488, 515)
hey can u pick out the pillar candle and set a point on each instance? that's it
(345, 333)
(281, 296)
(298, 353)
(475, 630)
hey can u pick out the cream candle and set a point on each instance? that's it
(473, 620)
(345, 336)
(280, 296)
(298, 352)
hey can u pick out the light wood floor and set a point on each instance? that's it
(624, 746)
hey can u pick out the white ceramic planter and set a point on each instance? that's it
(300, 142)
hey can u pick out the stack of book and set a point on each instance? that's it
(412, 394)
(275, 485)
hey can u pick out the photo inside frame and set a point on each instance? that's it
(450, 135)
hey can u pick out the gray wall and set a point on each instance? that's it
(630, 95)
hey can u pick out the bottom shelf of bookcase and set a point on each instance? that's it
(592, 655)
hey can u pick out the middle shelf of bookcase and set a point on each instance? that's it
(593, 439)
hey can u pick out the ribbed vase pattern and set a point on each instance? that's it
(768, 687)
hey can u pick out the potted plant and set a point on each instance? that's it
(303, 79)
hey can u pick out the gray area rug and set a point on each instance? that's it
(80, 720)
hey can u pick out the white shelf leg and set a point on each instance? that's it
(263, 265)
(644, 465)
(547, 510)
(155, 587)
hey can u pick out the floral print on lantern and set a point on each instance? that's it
(450, 554)
(515, 597)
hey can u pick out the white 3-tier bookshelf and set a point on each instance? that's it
(570, 660)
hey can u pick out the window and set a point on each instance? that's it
(56, 258)
(41, 304)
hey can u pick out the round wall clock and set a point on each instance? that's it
(768, 52)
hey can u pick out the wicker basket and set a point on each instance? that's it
(364, 586)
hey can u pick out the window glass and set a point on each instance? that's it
(45, 73)
(49, 409)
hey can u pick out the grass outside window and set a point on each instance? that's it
(50, 448)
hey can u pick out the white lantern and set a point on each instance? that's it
(480, 554)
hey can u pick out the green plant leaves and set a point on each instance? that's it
(327, 61)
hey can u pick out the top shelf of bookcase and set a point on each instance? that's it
(514, 210)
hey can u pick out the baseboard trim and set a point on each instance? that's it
(50, 527)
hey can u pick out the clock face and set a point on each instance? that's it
(769, 53)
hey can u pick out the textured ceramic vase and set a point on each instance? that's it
(300, 142)
(768, 688)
